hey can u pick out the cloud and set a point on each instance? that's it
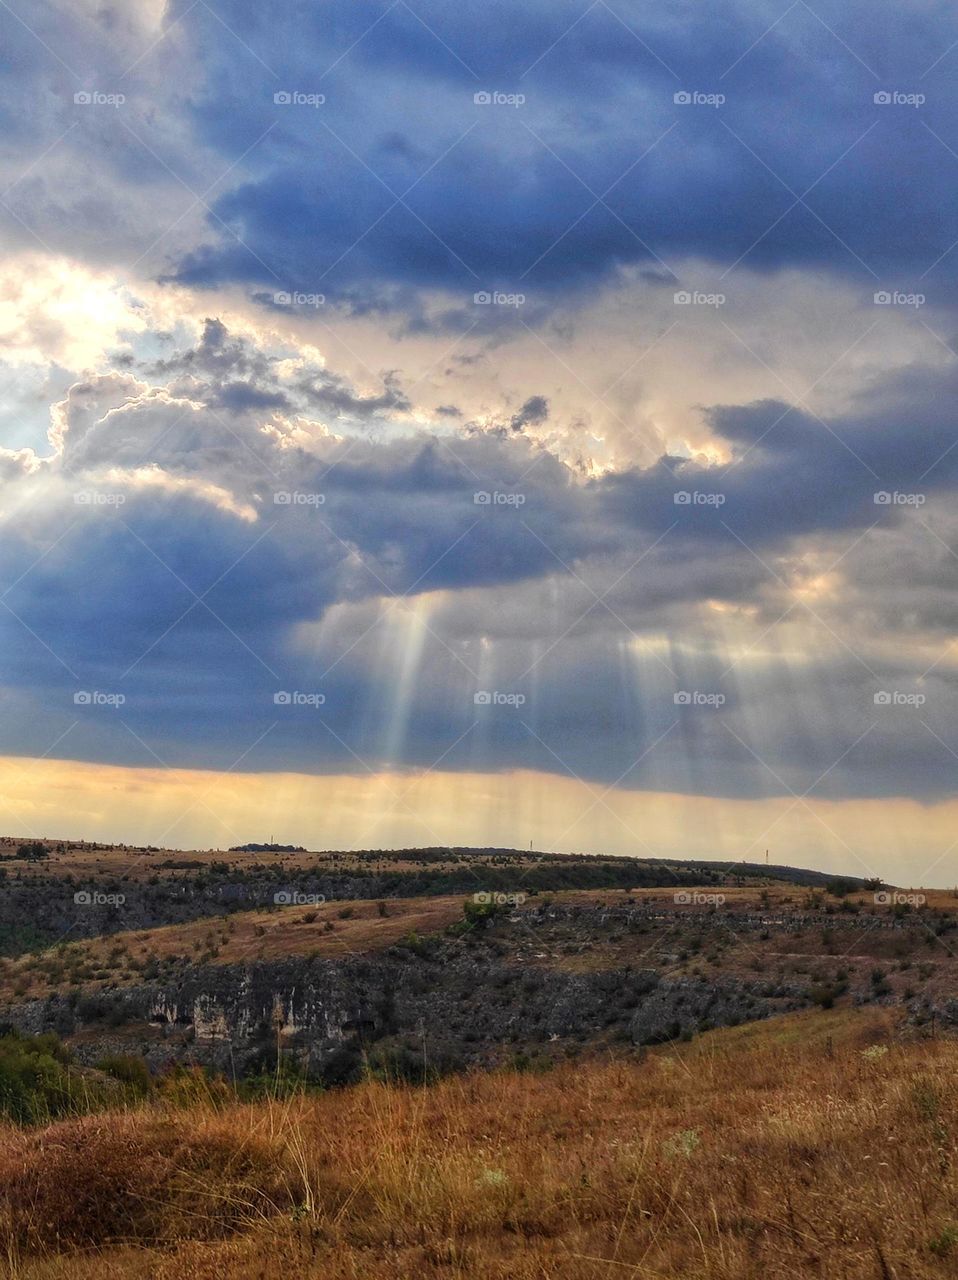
(789, 169)
(400, 184)
(386, 493)
(534, 412)
(250, 551)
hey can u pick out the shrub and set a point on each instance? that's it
(130, 1069)
(35, 1082)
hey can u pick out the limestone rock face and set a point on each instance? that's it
(469, 1007)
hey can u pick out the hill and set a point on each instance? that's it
(818, 1145)
(459, 958)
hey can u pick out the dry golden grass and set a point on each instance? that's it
(242, 937)
(817, 1145)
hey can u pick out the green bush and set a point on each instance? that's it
(35, 1082)
(478, 914)
(130, 1069)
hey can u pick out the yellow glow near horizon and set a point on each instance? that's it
(898, 839)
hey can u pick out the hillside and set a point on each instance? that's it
(449, 959)
(483, 1063)
(819, 1145)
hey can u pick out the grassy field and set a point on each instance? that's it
(816, 1144)
(334, 930)
(821, 1144)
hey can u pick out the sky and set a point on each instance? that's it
(520, 424)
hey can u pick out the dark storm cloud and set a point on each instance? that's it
(799, 166)
(201, 538)
(245, 558)
(400, 182)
